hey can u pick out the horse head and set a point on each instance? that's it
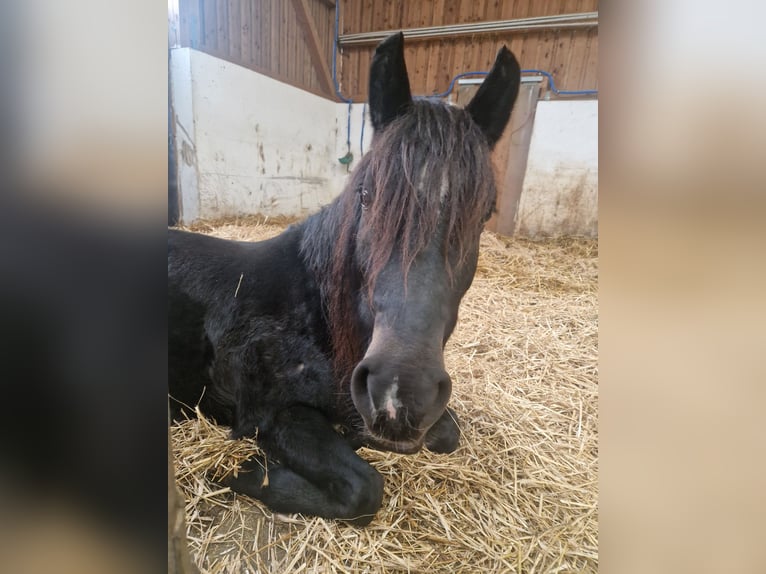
(423, 194)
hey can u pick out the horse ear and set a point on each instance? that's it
(389, 85)
(491, 106)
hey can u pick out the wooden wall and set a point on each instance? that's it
(292, 40)
(571, 56)
(272, 37)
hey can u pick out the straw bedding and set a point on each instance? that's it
(519, 494)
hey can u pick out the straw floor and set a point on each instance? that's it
(521, 492)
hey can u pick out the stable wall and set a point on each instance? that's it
(560, 192)
(249, 144)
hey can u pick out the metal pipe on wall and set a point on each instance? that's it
(579, 20)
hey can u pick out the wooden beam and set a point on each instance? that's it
(330, 3)
(303, 12)
(538, 23)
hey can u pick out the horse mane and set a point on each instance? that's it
(428, 172)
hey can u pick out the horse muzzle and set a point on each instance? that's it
(399, 400)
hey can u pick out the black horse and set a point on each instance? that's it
(331, 335)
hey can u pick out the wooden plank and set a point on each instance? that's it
(245, 29)
(589, 79)
(318, 13)
(565, 40)
(579, 54)
(329, 33)
(235, 36)
(311, 38)
(554, 65)
(538, 8)
(431, 83)
(222, 28)
(460, 46)
(353, 71)
(308, 71)
(544, 50)
(560, 60)
(451, 13)
(493, 10)
(545, 38)
(372, 15)
(515, 45)
(293, 37)
(529, 50)
(210, 43)
(478, 8)
(429, 51)
(522, 9)
(590, 6)
(445, 67)
(384, 14)
(366, 16)
(284, 51)
(264, 34)
(297, 44)
(285, 55)
(418, 52)
(256, 32)
(506, 10)
(489, 47)
(456, 47)
(303, 58)
(274, 30)
(473, 55)
(395, 15)
(392, 11)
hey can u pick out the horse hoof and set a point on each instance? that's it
(444, 436)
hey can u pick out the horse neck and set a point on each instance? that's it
(327, 249)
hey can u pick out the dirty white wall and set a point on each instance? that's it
(249, 144)
(560, 192)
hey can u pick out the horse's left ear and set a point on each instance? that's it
(389, 84)
(491, 106)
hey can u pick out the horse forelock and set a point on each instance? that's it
(428, 172)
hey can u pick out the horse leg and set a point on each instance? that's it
(318, 472)
(444, 435)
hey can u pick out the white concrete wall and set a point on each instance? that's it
(249, 144)
(560, 192)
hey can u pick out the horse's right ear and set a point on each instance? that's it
(491, 106)
(389, 85)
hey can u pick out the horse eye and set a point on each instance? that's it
(365, 198)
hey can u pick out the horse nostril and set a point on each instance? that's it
(359, 379)
(444, 389)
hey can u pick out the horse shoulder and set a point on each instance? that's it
(258, 306)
